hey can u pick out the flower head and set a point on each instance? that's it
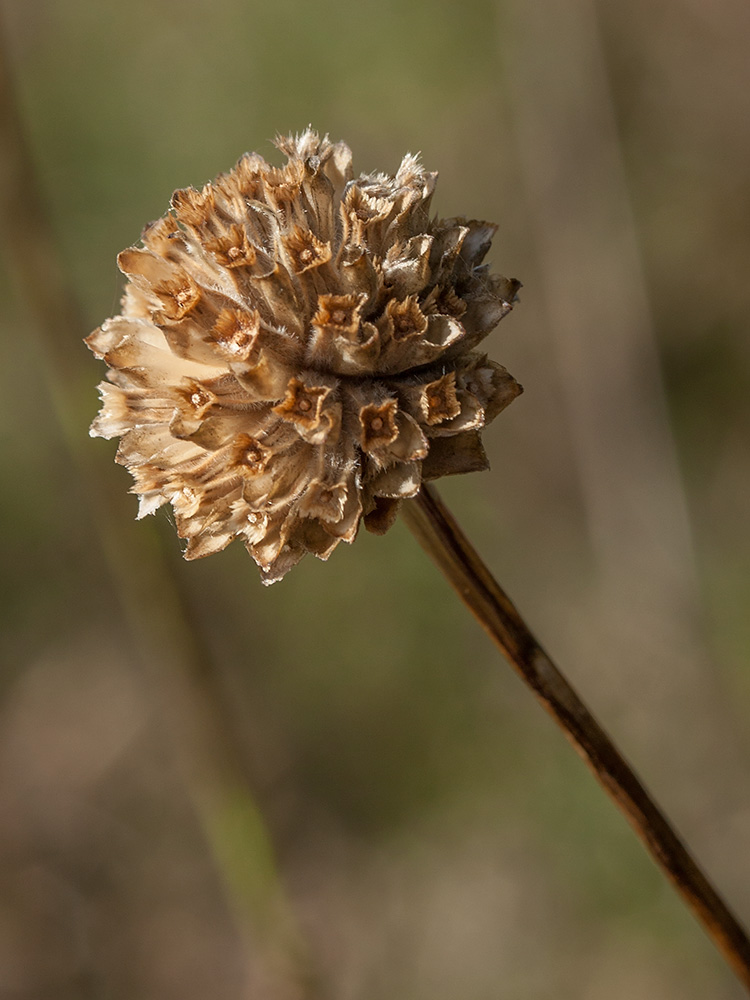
(296, 353)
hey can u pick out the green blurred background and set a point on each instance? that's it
(425, 831)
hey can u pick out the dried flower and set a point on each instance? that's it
(296, 353)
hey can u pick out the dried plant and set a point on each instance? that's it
(296, 353)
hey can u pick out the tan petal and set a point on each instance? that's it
(402, 480)
(407, 267)
(382, 516)
(452, 456)
(312, 409)
(305, 251)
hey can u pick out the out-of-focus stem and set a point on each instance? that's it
(171, 648)
(439, 534)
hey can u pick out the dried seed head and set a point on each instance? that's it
(296, 353)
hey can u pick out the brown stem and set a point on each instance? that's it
(439, 534)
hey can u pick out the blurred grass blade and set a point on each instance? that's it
(171, 649)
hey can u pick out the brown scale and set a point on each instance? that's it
(378, 425)
(407, 318)
(177, 298)
(197, 397)
(236, 331)
(305, 250)
(234, 249)
(302, 404)
(439, 400)
(194, 208)
(249, 453)
(339, 314)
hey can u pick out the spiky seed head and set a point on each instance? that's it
(296, 353)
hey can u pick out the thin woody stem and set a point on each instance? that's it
(439, 534)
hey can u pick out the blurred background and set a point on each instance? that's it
(334, 788)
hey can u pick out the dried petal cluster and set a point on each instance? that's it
(296, 353)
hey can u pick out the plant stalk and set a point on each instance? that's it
(437, 531)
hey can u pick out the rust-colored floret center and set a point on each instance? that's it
(250, 454)
(303, 403)
(340, 314)
(407, 318)
(379, 425)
